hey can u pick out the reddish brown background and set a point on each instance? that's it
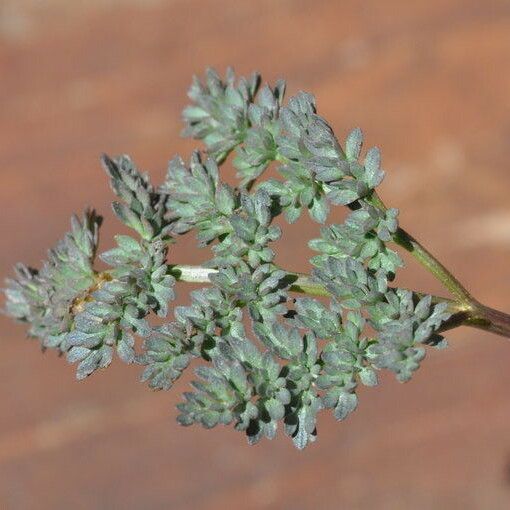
(428, 81)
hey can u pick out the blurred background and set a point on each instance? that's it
(429, 83)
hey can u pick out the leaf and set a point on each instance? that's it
(353, 144)
(373, 173)
(347, 191)
(347, 403)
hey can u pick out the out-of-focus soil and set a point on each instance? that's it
(429, 83)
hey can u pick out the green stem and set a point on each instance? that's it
(427, 260)
(479, 316)
(301, 283)
(466, 310)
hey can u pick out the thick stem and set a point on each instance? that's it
(489, 319)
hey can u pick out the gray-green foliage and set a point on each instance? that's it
(219, 113)
(44, 298)
(267, 359)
